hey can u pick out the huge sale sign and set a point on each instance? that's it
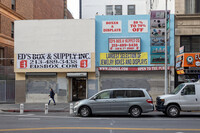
(53, 60)
(137, 26)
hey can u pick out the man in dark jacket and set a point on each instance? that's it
(52, 96)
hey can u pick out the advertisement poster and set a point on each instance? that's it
(53, 60)
(137, 26)
(112, 26)
(124, 44)
(124, 59)
(157, 35)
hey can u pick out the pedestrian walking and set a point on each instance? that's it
(51, 95)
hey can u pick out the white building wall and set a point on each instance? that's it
(54, 36)
(91, 7)
(160, 5)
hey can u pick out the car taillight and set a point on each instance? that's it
(149, 101)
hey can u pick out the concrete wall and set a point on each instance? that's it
(55, 36)
(160, 5)
(91, 7)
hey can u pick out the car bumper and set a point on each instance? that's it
(160, 107)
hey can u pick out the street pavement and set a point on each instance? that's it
(62, 122)
(35, 107)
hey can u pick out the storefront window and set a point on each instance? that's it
(190, 43)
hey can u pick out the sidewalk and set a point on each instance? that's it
(35, 107)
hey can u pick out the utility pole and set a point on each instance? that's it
(166, 60)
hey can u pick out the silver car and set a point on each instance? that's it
(133, 101)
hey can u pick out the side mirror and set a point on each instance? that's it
(182, 92)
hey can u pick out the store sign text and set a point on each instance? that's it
(123, 59)
(137, 26)
(53, 60)
(112, 26)
(128, 44)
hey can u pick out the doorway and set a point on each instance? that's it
(78, 89)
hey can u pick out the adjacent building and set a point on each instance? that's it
(187, 37)
(57, 54)
(130, 52)
(91, 8)
(11, 10)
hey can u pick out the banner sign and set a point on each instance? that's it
(124, 59)
(124, 44)
(137, 26)
(157, 36)
(132, 68)
(112, 26)
(188, 60)
(53, 60)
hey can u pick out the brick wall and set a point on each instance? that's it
(5, 26)
(48, 9)
(25, 8)
(6, 3)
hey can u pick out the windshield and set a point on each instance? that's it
(177, 89)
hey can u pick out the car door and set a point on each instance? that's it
(188, 98)
(197, 86)
(119, 103)
(101, 104)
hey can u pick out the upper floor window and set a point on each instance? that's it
(192, 6)
(109, 10)
(12, 29)
(13, 4)
(190, 43)
(131, 9)
(118, 9)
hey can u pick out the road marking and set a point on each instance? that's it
(28, 118)
(100, 128)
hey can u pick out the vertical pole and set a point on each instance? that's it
(21, 108)
(166, 77)
(71, 108)
(46, 109)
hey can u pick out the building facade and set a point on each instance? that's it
(130, 52)
(187, 36)
(12, 10)
(48, 57)
(91, 8)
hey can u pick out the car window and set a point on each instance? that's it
(104, 95)
(135, 93)
(189, 90)
(119, 93)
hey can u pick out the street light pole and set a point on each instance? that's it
(166, 76)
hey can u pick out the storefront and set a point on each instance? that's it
(130, 52)
(188, 67)
(48, 57)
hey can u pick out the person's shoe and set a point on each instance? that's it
(54, 104)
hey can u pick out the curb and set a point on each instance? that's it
(17, 110)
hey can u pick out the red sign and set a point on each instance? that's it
(23, 64)
(133, 68)
(137, 26)
(83, 63)
(128, 44)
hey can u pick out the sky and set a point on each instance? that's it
(73, 7)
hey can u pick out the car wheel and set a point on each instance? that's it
(173, 111)
(135, 111)
(85, 111)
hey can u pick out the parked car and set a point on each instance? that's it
(133, 101)
(185, 97)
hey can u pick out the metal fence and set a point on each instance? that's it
(7, 84)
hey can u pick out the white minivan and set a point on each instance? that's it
(185, 97)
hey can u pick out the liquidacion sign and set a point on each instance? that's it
(53, 60)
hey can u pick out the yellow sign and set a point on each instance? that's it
(124, 59)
